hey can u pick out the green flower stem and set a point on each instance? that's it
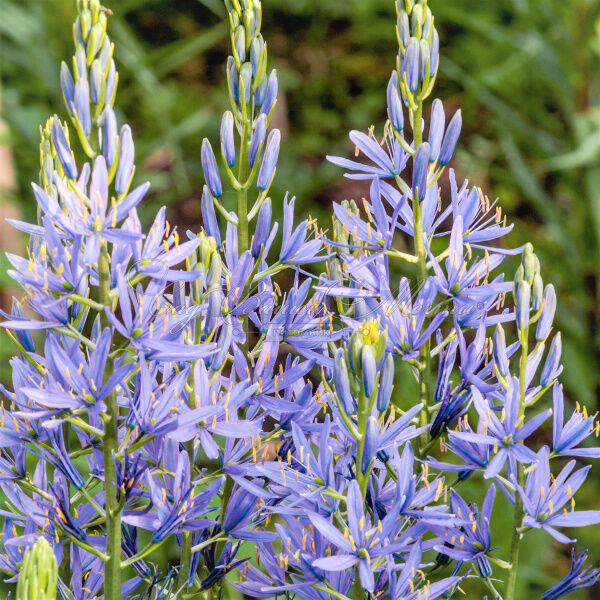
(511, 581)
(112, 581)
(422, 271)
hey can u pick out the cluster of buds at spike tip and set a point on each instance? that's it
(363, 374)
(532, 302)
(89, 90)
(39, 572)
(418, 58)
(247, 67)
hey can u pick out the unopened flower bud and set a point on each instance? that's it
(552, 367)
(270, 94)
(394, 103)
(246, 82)
(233, 79)
(110, 137)
(436, 129)
(537, 292)
(239, 44)
(269, 163)
(369, 370)
(63, 150)
(38, 576)
(420, 171)
(126, 160)
(227, 141)
(257, 141)
(68, 86)
(523, 298)
(111, 85)
(209, 217)
(386, 383)
(211, 171)
(410, 66)
(450, 139)
(96, 79)
(434, 54)
(341, 382)
(544, 325)
(500, 356)
(263, 227)
(82, 106)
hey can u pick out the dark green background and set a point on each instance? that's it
(526, 74)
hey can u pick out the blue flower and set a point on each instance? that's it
(549, 502)
(566, 437)
(471, 541)
(386, 164)
(577, 578)
(505, 433)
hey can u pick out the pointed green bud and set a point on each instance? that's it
(38, 575)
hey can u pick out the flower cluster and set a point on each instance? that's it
(245, 385)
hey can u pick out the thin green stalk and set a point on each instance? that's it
(422, 270)
(112, 580)
(511, 581)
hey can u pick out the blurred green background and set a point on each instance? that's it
(525, 72)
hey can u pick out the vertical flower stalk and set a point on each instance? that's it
(417, 67)
(527, 280)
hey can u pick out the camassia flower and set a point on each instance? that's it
(471, 541)
(505, 433)
(578, 577)
(549, 502)
(361, 541)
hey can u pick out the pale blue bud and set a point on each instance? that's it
(111, 84)
(211, 172)
(395, 112)
(96, 79)
(82, 106)
(258, 138)
(63, 150)
(341, 382)
(545, 323)
(450, 139)
(369, 370)
(256, 51)
(386, 383)
(246, 81)
(233, 79)
(126, 160)
(420, 167)
(263, 227)
(239, 46)
(209, 217)
(410, 66)
(227, 141)
(434, 54)
(110, 136)
(552, 367)
(270, 94)
(68, 86)
(500, 356)
(436, 129)
(423, 58)
(269, 163)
